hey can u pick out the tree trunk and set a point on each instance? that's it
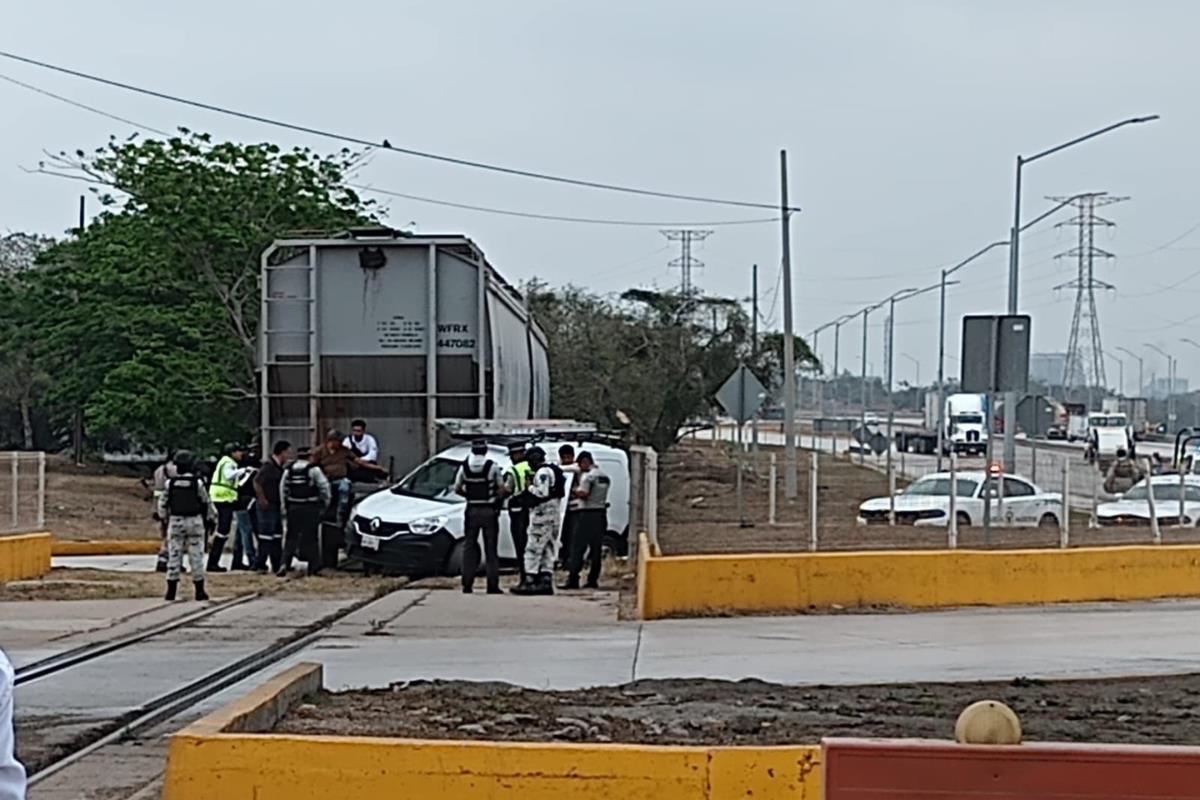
(27, 423)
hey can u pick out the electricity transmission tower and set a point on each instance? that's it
(1084, 365)
(686, 263)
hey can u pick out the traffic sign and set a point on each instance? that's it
(742, 394)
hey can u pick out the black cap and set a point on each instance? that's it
(536, 455)
(184, 460)
(234, 447)
(516, 447)
(479, 446)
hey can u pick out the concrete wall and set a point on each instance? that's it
(206, 761)
(740, 584)
(25, 555)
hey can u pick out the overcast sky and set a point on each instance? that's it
(902, 121)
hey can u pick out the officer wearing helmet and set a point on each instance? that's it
(185, 504)
(542, 497)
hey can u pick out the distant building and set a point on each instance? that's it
(1047, 368)
(1158, 387)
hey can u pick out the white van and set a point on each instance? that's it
(416, 527)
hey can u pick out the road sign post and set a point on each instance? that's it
(741, 396)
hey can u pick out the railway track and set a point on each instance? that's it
(158, 709)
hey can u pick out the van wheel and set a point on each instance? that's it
(612, 546)
(454, 561)
(964, 521)
(1048, 521)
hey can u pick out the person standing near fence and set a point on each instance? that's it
(12, 774)
(591, 522)
(185, 504)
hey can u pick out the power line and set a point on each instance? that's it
(392, 193)
(385, 144)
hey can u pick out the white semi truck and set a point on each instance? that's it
(964, 430)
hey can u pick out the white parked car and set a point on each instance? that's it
(416, 527)
(1133, 507)
(927, 502)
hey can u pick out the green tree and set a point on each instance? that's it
(22, 380)
(151, 313)
(647, 361)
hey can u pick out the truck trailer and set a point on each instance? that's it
(964, 426)
(396, 329)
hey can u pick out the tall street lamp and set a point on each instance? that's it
(1196, 400)
(1170, 384)
(1141, 368)
(1121, 372)
(866, 313)
(1014, 260)
(903, 294)
(917, 364)
(818, 387)
(837, 334)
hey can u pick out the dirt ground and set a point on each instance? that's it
(92, 584)
(96, 502)
(1162, 710)
(698, 511)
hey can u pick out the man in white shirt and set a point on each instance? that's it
(12, 774)
(365, 449)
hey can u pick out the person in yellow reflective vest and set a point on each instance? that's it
(516, 480)
(224, 494)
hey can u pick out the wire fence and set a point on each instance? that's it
(846, 500)
(22, 491)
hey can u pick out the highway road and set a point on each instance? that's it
(1049, 457)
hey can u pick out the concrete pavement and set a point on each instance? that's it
(568, 642)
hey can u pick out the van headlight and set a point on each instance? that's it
(427, 525)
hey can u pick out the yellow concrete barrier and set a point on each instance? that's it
(115, 547)
(673, 586)
(206, 762)
(24, 555)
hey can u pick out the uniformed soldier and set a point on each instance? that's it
(516, 479)
(541, 497)
(165, 471)
(225, 499)
(305, 495)
(481, 481)
(591, 522)
(185, 504)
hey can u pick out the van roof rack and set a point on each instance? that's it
(507, 431)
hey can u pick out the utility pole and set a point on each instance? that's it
(789, 337)
(754, 345)
(1084, 365)
(685, 262)
(77, 428)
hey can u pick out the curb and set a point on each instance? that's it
(225, 755)
(116, 547)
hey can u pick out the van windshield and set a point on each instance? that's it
(433, 480)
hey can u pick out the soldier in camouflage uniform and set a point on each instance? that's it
(543, 497)
(185, 504)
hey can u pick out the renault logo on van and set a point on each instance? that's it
(376, 524)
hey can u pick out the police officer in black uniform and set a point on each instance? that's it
(305, 495)
(481, 481)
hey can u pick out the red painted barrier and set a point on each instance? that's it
(915, 769)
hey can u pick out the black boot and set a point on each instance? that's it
(545, 583)
(214, 555)
(525, 587)
(201, 595)
(172, 590)
(571, 583)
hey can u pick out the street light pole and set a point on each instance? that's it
(862, 445)
(916, 363)
(1120, 371)
(1195, 402)
(789, 337)
(1014, 261)
(1141, 369)
(1170, 385)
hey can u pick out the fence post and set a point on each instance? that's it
(953, 524)
(771, 491)
(1182, 487)
(1093, 519)
(1064, 525)
(16, 493)
(891, 478)
(1034, 455)
(41, 490)
(812, 502)
(1155, 530)
(651, 501)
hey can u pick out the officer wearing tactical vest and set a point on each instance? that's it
(185, 504)
(225, 498)
(305, 494)
(543, 498)
(516, 480)
(481, 481)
